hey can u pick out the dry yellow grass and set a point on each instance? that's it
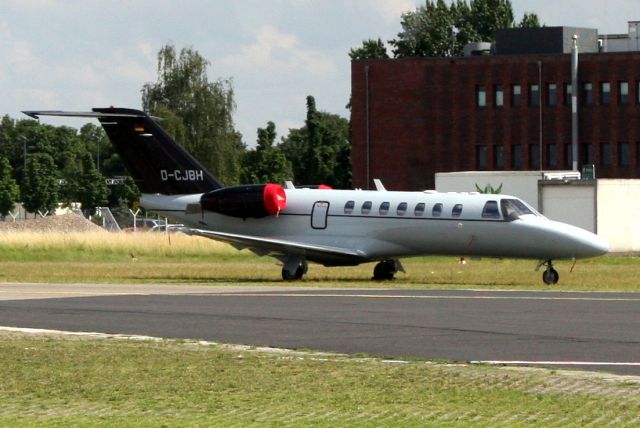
(177, 258)
(159, 244)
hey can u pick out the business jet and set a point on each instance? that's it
(331, 227)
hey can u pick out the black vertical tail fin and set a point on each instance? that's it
(157, 163)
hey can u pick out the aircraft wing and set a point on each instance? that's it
(326, 255)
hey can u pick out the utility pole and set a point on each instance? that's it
(574, 103)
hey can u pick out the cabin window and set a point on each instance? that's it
(366, 207)
(490, 210)
(457, 210)
(402, 208)
(437, 210)
(348, 207)
(384, 208)
(419, 211)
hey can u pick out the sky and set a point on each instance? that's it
(79, 54)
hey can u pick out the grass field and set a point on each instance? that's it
(47, 381)
(177, 258)
(57, 381)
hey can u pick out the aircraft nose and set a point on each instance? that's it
(587, 244)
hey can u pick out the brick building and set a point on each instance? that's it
(509, 110)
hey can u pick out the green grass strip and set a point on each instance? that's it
(46, 381)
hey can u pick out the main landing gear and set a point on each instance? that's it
(386, 270)
(294, 269)
(550, 275)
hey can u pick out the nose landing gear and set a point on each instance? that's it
(550, 275)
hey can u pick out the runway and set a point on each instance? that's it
(595, 331)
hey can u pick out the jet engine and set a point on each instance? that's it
(253, 200)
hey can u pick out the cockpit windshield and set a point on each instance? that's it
(512, 209)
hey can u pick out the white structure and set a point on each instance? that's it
(622, 42)
(608, 207)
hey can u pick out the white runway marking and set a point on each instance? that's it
(434, 297)
(558, 363)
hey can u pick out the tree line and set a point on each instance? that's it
(43, 166)
(442, 29)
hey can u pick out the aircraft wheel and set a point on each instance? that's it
(298, 274)
(550, 276)
(385, 270)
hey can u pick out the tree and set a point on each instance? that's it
(126, 193)
(267, 163)
(488, 16)
(529, 20)
(427, 31)
(198, 112)
(438, 30)
(320, 151)
(9, 191)
(39, 185)
(92, 190)
(370, 49)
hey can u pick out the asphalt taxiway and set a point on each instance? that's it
(595, 331)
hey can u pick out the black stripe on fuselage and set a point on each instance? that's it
(373, 217)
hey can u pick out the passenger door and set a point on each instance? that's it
(319, 215)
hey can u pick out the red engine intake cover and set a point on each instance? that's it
(274, 197)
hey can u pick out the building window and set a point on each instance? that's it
(588, 154)
(605, 154)
(457, 210)
(534, 156)
(552, 156)
(402, 208)
(516, 93)
(481, 96)
(516, 157)
(419, 211)
(498, 156)
(552, 94)
(567, 94)
(568, 156)
(534, 95)
(623, 154)
(605, 93)
(366, 207)
(437, 210)
(623, 90)
(588, 93)
(499, 95)
(481, 157)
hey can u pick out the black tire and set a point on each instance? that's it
(550, 276)
(385, 270)
(298, 274)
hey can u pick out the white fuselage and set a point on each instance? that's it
(343, 219)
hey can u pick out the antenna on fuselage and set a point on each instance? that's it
(379, 185)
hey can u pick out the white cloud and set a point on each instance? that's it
(391, 10)
(273, 51)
